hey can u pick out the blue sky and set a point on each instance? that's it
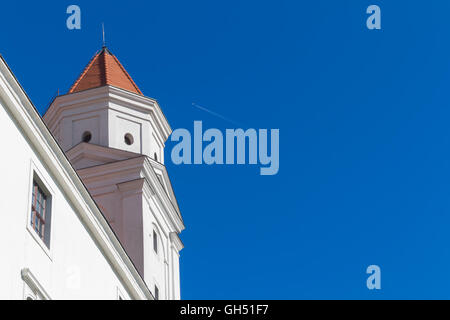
(364, 133)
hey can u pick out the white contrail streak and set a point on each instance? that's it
(215, 114)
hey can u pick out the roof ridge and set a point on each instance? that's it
(127, 74)
(104, 65)
(84, 72)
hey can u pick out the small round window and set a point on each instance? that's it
(87, 137)
(129, 139)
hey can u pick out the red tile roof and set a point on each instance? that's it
(104, 69)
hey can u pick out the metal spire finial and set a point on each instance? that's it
(103, 32)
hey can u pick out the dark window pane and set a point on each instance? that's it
(156, 293)
(40, 213)
(155, 242)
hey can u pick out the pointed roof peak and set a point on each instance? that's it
(105, 50)
(104, 69)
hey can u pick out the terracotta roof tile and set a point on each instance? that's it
(104, 69)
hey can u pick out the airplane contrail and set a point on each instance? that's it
(215, 114)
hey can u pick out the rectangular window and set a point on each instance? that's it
(156, 293)
(155, 241)
(41, 212)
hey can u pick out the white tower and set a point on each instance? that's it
(114, 137)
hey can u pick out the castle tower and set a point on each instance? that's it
(114, 137)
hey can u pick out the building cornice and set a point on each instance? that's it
(34, 284)
(174, 237)
(144, 104)
(107, 94)
(97, 153)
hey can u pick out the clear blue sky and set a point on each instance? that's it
(364, 133)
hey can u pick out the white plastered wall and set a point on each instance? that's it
(74, 267)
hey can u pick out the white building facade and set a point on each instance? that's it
(86, 200)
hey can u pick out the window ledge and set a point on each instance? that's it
(39, 241)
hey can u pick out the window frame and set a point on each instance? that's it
(40, 210)
(36, 175)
